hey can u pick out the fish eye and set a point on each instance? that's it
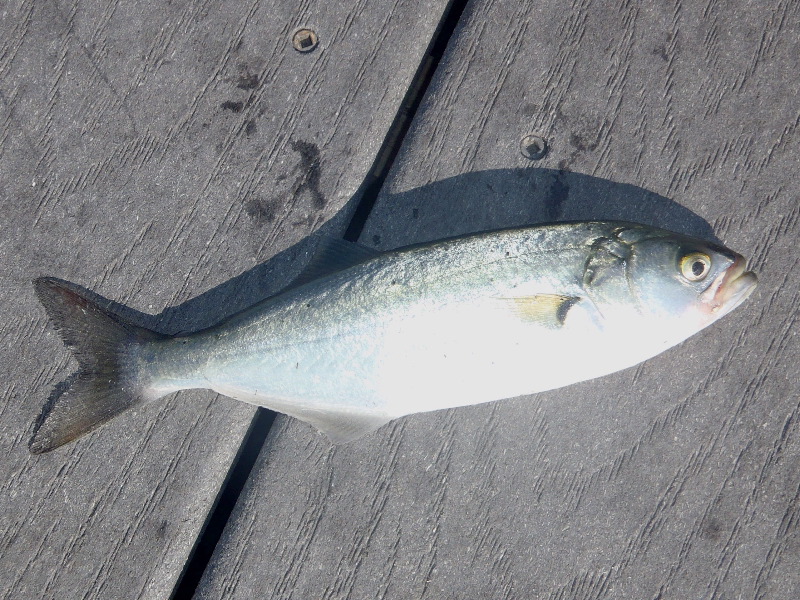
(695, 266)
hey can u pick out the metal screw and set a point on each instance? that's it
(533, 147)
(304, 40)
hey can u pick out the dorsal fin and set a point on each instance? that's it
(332, 255)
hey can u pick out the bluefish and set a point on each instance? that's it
(367, 337)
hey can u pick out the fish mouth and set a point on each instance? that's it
(732, 287)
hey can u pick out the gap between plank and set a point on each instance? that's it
(259, 428)
(402, 121)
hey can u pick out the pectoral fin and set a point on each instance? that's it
(548, 310)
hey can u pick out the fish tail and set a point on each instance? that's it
(107, 382)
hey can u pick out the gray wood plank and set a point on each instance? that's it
(168, 156)
(676, 479)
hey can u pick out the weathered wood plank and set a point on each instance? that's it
(677, 479)
(152, 151)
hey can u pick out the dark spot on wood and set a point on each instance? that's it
(250, 127)
(247, 81)
(260, 210)
(161, 531)
(529, 110)
(376, 239)
(662, 52)
(579, 144)
(415, 213)
(309, 172)
(712, 530)
(557, 196)
(233, 106)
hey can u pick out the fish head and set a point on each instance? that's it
(665, 282)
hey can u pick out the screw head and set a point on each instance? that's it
(533, 147)
(304, 40)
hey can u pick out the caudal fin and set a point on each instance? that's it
(106, 384)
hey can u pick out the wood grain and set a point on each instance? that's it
(168, 156)
(676, 479)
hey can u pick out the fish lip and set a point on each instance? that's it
(734, 287)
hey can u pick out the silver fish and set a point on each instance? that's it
(440, 325)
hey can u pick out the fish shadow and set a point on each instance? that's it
(459, 205)
(501, 198)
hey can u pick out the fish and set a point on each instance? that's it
(365, 337)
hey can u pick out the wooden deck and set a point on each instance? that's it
(175, 157)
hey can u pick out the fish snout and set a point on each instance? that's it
(730, 288)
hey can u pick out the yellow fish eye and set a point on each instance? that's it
(695, 266)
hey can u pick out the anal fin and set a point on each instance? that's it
(339, 423)
(346, 427)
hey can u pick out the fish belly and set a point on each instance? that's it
(474, 354)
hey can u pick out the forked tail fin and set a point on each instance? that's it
(106, 384)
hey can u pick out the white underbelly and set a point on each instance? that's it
(474, 355)
(441, 359)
